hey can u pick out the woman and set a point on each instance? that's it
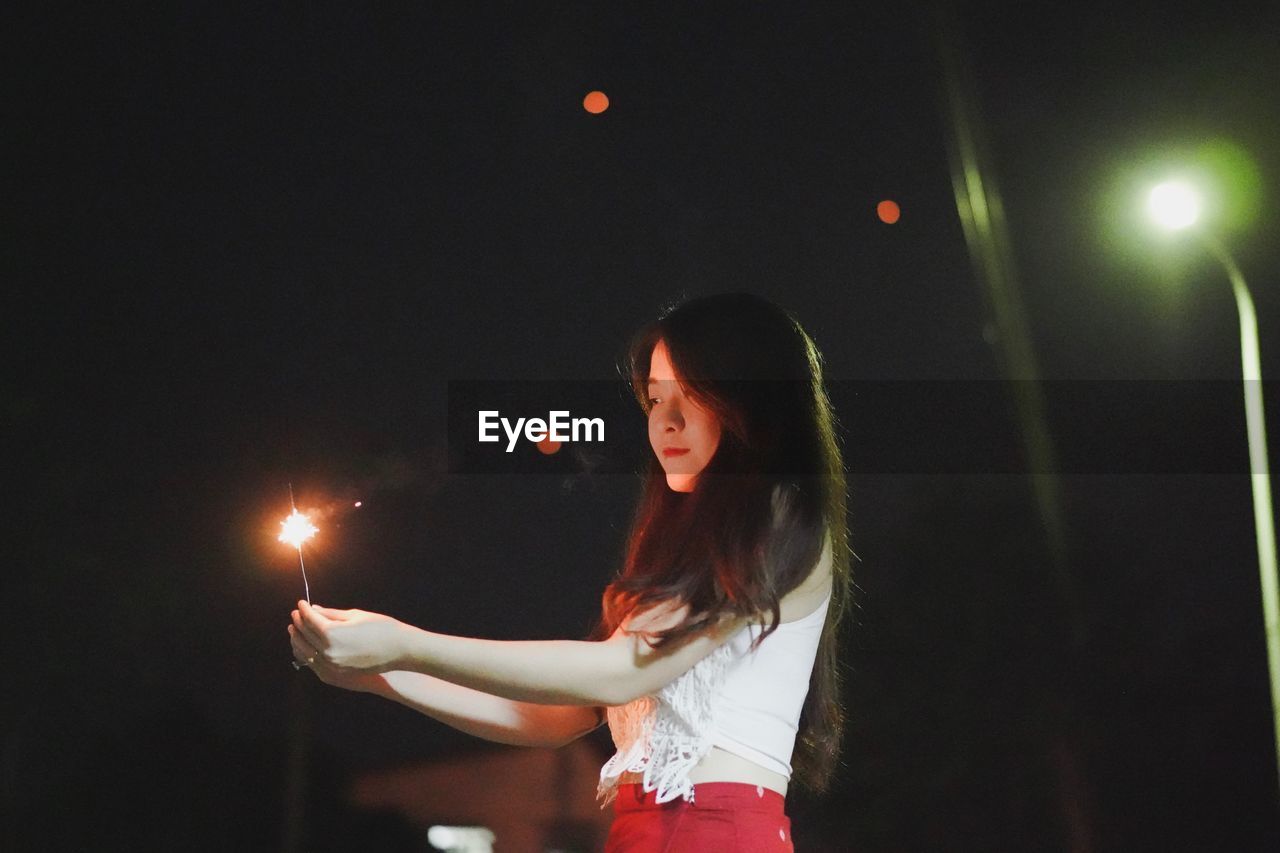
(714, 661)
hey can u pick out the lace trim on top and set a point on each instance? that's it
(664, 736)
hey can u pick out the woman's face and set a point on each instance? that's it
(676, 422)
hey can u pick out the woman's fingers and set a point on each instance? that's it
(312, 623)
(311, 615)
(302, 650)
(307, 633)
(296, 627)
(306, 630)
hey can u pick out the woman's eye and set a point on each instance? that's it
(653, 401)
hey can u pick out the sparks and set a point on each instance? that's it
(296, 529)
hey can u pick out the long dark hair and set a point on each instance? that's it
(755, 524)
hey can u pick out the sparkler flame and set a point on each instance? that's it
(296, 529)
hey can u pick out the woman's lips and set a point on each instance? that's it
(670, 451)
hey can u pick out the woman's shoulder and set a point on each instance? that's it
(797, 604)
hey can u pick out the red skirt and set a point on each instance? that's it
(732, 817)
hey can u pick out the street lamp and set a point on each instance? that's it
(1176, 206)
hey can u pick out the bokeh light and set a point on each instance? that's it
(595, 102)
(1233, 176)
(888, 211)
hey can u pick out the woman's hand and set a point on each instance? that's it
(347, 679)
(344, 643)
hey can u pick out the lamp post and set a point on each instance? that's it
(1176, 206)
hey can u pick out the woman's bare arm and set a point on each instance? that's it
(559, 672)
(485, 715)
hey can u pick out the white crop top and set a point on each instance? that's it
(745, 703)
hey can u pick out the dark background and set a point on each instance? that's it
(252, 244)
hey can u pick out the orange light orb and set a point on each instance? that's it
(888, 211)
(546, 446)
(595, 102)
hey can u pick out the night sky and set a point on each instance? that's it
(251, 247)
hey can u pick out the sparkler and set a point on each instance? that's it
(295, 530)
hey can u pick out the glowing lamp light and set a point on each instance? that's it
(595, 102)
(1174, 205)
(296, 529)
